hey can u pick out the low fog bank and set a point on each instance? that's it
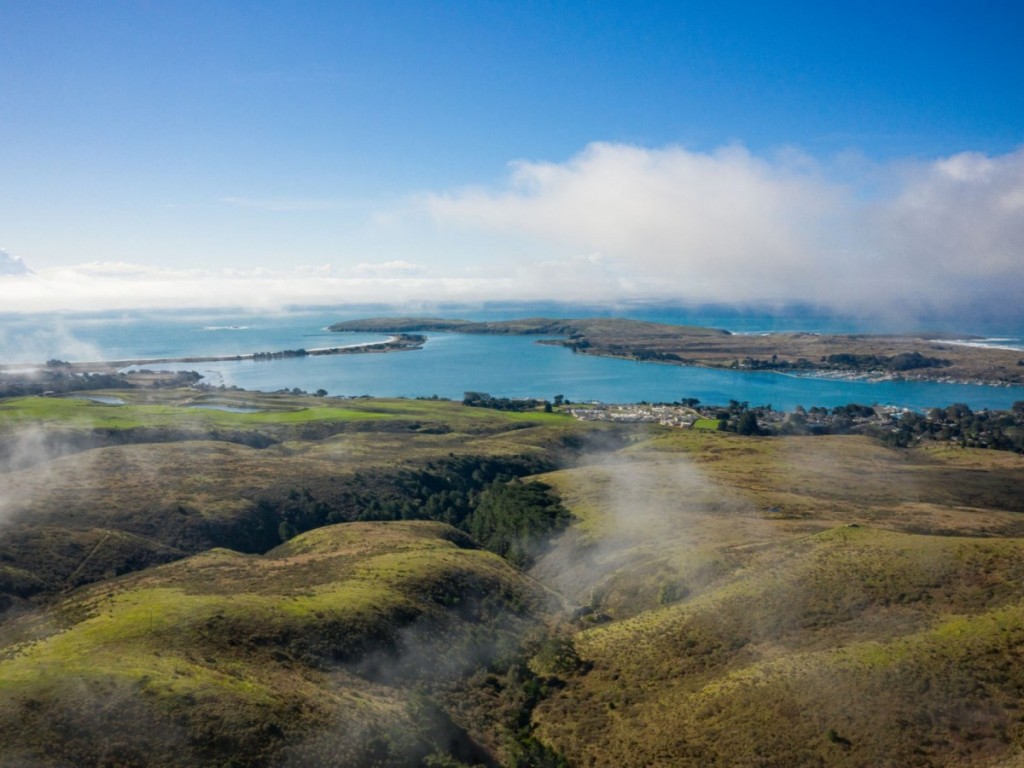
(867, 302)
(901, 242)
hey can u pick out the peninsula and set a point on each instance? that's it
(396, 342)
(61, 376)
(925, 357)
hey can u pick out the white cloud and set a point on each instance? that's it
(121, 286)
(386, 268)
(626, 222)
(718, 225)
(122, 269)
(730, 226)
(959, 218)
(12, 265)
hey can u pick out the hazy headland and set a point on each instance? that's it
(914, 356)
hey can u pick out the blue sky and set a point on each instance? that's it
(294, 151)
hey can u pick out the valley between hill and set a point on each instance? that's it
(316, 581)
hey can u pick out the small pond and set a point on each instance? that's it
(228, 408)
(103, 399)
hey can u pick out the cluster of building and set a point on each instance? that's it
(668, 415)
(812, 421)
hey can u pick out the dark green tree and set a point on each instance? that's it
(746, 423)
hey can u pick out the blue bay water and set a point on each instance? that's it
(450, 364)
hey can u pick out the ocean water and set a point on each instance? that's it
(450, 364)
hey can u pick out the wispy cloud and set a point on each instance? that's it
(119, 286)
(12, 265)
(35, 343)
(711, 224)
(731, 226)
(619, 222)
(386, 268)
(961, 217)
(282, 204)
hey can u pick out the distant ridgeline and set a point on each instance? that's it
(911, 356)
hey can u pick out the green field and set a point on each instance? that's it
(711, 424)
(189, 410)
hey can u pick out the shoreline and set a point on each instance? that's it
(801, 355)
(400, 342)
(845, 357)
(821, 374)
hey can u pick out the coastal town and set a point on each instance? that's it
(956, 424)
(815, 420)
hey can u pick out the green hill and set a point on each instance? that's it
(310, 654)
(308, 584)
(822, 601)
(97, 490)
(851, 647)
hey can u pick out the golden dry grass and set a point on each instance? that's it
(795, 601)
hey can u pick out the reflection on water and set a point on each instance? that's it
(104, 399)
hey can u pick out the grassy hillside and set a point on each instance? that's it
(809, 601)
(187, 586)
(85, 480)
(307, 654)
(850, 647)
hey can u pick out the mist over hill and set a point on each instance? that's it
(335, 581)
